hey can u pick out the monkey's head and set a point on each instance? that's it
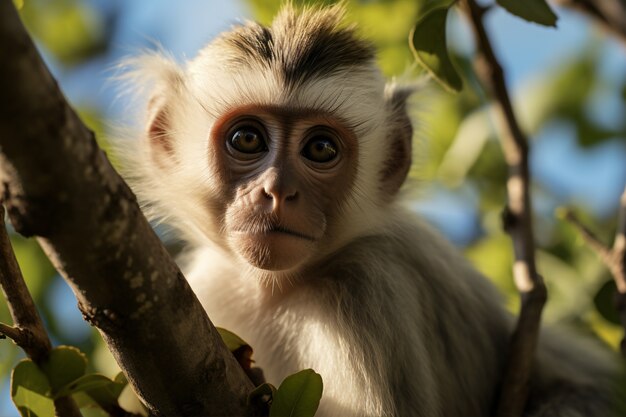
(279, 143)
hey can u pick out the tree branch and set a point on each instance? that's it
(614, 258)
(59, 186)
(603, 251)
(610, 15)
(28, 332)
(517, 221)
(17, 335)
(619, 245)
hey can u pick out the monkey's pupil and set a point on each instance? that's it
(320, 149)
(247, 140)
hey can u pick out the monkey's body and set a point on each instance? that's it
(421, 335)
(278, 153)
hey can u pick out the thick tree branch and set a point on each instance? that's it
(59, 186)
(610, 15)
(28, 332)
(614, 258)
(517, 221)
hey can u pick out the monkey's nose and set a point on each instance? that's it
(278, 196)
(277, 190)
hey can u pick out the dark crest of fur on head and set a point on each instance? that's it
(302, 44)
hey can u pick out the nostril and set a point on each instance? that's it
(267, 195)
(292, 197)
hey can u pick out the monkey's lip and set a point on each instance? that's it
(290, 232)
(278, 230)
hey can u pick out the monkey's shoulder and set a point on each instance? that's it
(407, 250)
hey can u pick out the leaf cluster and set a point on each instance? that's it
(298, 395)
(64, 373)
(428, 37)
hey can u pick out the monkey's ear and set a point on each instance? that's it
(159, 137)
(399, 138)
(157, 74)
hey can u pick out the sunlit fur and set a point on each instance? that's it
(395, 321)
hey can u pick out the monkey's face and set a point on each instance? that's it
(285, 172)
(279, 144)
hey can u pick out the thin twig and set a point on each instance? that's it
(517, 221)
(610, 15)
(614, 258)
(619, 271)
(21, 305)
(28, 332)
(619, 245)
(603, 251)
(13, 333)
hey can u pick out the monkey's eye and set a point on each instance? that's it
(247, 139)
(320, 149)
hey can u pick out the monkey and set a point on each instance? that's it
(278, 154)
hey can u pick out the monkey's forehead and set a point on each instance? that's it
(306, 59)
(356, 97)
(300, 44)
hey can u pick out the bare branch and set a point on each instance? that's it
(13, 333)
(28, 333)
(613, 258)
(619, 245)
(59, 186)
(517, 221)
(603, 251)
(610, 15)
(21, 305)
(619, 267)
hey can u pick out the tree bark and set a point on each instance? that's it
(518, 223)
(59, 186)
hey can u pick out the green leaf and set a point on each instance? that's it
(536, 11)
(231, 340)
(120, 378)
(428, 43)
(94, 412)
(30, 389)
(95, 390)
(298, 395)
(84, 383)
(64, 365)
(108, 394)
(28, 375)
(605, 302)
(31, 404)
(82, 400)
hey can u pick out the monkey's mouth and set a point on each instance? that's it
(283, 230)
(276, 230)
(273, 247)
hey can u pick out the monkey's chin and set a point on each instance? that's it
(273, 251)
